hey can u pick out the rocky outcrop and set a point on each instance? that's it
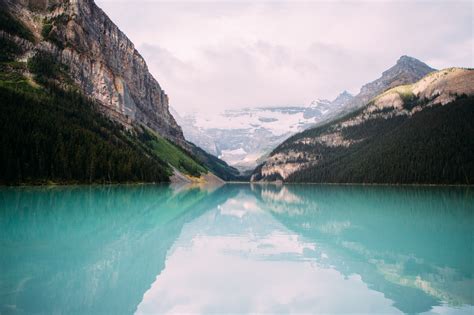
(342, 99)
(281, 165)
(101, 60)
(208, 178)
(407, 70)
(440, 87)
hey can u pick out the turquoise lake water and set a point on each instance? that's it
(149, 249)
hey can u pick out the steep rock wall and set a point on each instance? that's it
(101, 60)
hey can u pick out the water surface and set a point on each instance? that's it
(149, 249)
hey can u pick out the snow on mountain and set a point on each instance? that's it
(244, 137)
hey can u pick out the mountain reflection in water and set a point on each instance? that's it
(236, 249)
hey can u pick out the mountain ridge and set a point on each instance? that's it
(72, 51)
(338, 151)
(249, 135)
(406, 70)
(101, 60)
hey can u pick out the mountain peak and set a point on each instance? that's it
(342, 99)
(319, 102)
(344, 94)
(413, 63)
(405, 59)
(407, 70)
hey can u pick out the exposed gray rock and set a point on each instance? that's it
(407, 70)
(342, 99)
(101, 60)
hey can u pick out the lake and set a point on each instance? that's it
(238, 248)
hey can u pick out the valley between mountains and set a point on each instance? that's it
(79, 105)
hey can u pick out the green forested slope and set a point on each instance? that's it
(49, 132)
(218, 166)
(433, 146)
(59, 137)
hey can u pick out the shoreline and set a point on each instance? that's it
(352, 184)
(25, 185)
(50, 185)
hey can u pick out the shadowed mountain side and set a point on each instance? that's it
(79, 105)
(124, 231)
(384, 239)
(410, 134)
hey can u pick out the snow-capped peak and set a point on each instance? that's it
(318, 102)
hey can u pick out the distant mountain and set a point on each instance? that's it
(104, 118)
(342, 99)
(194, 134)
(407, 70)
(322, 109)
(243, 137)
(412, 133)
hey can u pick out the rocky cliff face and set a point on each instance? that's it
(407, 70)
(101, 60)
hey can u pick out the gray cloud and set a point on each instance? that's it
(227, 54)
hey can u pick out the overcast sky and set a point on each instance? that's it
(233, 54)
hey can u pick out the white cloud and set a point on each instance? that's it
(227, 54)
(247, 269)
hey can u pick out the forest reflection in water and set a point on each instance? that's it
(236, 248)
